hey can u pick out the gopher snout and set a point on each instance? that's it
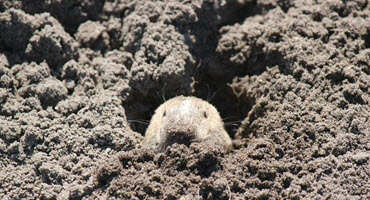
(180, 129)
(185, 138)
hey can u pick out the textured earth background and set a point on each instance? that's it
(294, 74)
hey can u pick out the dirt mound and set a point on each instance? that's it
(294, 74)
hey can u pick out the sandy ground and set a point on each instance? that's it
(291, 78)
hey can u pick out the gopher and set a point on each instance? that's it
(184, 120)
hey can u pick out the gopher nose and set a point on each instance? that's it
(185, 138)
(180, 130)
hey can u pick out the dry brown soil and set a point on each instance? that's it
(290, 78)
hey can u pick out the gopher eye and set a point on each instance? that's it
(164, 113)
(205, 114)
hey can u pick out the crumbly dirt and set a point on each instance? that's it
(293, 75)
